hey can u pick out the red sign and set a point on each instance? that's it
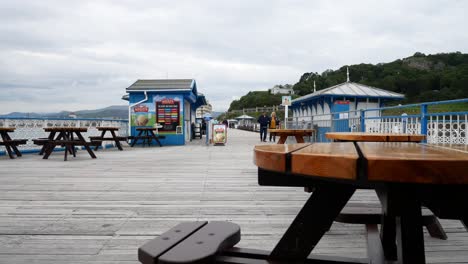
(141, 108)
(167, 101)
(345, 102)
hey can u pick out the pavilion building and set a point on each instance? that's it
(323, 108)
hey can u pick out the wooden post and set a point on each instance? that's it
(424, 120)
(363, 120)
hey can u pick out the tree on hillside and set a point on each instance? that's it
(420, 77)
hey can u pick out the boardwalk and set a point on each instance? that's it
(101, 211)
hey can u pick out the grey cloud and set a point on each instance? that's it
(88, 52)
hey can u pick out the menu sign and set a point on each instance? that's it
(219, 134)
(167, 114)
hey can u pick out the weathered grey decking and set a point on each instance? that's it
(101, 211)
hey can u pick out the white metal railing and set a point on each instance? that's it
(445, 128)
(448, 129)
(31, 128)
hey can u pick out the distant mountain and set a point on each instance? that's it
(111, 112)
(216, 114)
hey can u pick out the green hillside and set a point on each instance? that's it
(421, 78)
(256, 98)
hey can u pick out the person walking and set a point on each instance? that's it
(274, 124)
(263, 120)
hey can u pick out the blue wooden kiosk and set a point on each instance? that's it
(166, 104)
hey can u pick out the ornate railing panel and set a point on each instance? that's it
(439, 127)
(31, 128)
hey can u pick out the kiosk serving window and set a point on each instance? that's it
(168, 114)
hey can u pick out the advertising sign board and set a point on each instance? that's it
(219, 134)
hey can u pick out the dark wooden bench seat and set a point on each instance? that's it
(148, 137)
(108, 138)
(11, 145)
(372, 214)
(69, 145)
(213, 242)
(72, 142)
(15, 142)
(190, 242)
(40, 141)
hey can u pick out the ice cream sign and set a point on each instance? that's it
(141, 108)
(142, 115)
(219, 134)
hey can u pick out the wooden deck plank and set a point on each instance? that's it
(101, 211)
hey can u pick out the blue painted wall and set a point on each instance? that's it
(171, 138)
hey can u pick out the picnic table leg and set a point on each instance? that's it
(312, 222)
(72, 147)
(405, 205)
(49, 147)
(9, 147)
(13, 146)
(465, 222)
(10, 153)
(434, 228)
(17, 152)
(410, 238)
(102, 136)
(117, 143)
(91, 153)
(51, 137)
(148, 139)
(136, 138)
(282, 139)
(155, 137)
(66, 153)
(299, 138)
(388, 236)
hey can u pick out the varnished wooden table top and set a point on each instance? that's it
(107, 128)
(291, 131)
(66, 129)
(381, 161)
(7, 129)
(374, 137)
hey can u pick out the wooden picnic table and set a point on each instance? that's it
(363, 214)
(113, 136)
(373, 137)
(11, 145)
(146, 134)
(65, 136)
(406, 176)
(299, 134)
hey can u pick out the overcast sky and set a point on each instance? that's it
(74, 55)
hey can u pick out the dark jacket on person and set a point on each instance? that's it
(263, 120)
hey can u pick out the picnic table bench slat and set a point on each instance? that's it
(14, 142)
(108, 138)
(204, 244)
(192, 242)
(153, 249)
